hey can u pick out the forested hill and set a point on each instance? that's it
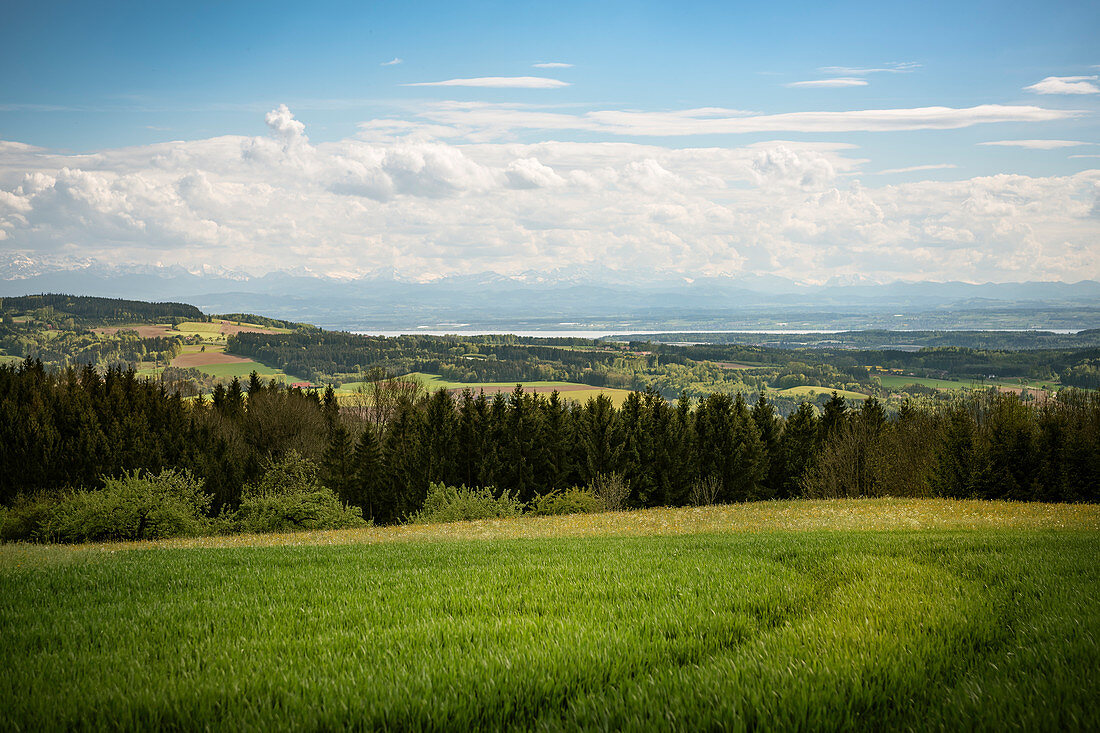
(99, 310)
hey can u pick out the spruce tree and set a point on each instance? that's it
(768, 427)
(798, 446)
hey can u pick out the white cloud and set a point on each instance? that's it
(840, 82)
(1036, 144)
(552, 65)
(392, 62)
(530, 173)
(287, 129)
(497, 82)
(1065, 85)
(915, 168)
(1090, 155)
(716, 121)
(428, 207)
(901, 68)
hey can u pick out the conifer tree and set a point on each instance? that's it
(833, 416)
(367, 475)
(798, 446)
(768, 427)
(337, 469)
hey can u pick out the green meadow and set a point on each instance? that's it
(807, 391)
(625, 627)
(569, 390)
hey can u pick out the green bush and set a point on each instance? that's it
(451, 504)
(134, 506)
(290, 497)
(27, 518)
(571, 501)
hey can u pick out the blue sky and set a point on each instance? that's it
(96, 78)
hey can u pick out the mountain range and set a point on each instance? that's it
(600, 299)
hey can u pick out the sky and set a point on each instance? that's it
(811, 141)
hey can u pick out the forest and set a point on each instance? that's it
(380, 453)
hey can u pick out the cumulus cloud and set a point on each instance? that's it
(288, 130)
(530, 173)
(431, 207)
(1065, 85)
(827, 83)
(552, 65)
(1035, 144)
(392, 62)
(497, 82)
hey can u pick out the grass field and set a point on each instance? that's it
(694, 619)
(568, 390)
(808, 391)
(896, 381)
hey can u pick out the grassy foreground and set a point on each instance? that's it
(991, 622)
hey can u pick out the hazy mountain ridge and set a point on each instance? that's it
(600, 298)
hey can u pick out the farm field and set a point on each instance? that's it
(896, 381)
(215, 362)
(568, 390)
(223, 327)
(806, 391)
(836, 616)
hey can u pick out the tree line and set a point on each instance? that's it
(381, 449)
(99, 310)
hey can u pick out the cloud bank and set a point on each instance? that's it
(425, 207)
(491, 119)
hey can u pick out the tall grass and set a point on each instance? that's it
(835, 630)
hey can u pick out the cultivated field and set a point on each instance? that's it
(853, 614)
(215, 362)
(569, 390)
(897, 381)
(808, 391)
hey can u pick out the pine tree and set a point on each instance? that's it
(833, 416)
(798, 446)
(597, 425)
(768, 427)
(749, 460)
(337, 469)
(367, 476)
(440, 446)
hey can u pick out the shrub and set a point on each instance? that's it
(612, 489)
(290, 497)
(704, 491)
(134, 506)
(576, 500)
(27, 518)
(451, 504)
